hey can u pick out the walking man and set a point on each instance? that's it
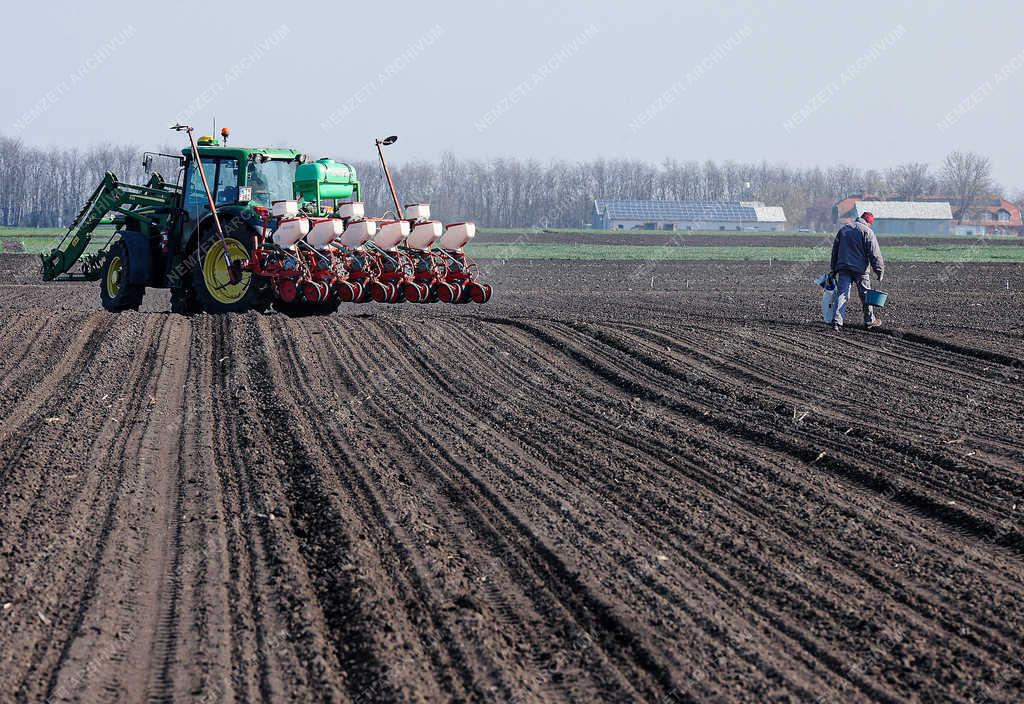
(855, 253)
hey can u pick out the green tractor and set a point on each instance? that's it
(246, 228)
(189, 237)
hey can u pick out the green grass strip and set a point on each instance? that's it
(965, 253)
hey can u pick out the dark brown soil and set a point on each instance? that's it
(592, 488)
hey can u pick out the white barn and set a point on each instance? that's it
(675, 215)
(906, 217)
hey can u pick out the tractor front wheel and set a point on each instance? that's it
(215, 291)
(115, 292)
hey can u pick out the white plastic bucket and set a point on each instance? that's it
(457, 235)
(358, 233)
(285, 208)
(391, 233)
(289, 232)
(424, 235)
(325, 231)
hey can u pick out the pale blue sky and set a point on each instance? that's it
(871, 84)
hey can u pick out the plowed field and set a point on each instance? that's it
(613, 482)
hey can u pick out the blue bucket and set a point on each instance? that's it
(876, 298)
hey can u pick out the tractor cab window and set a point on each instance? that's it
(270, 180)
(227, 182)
(222, 177)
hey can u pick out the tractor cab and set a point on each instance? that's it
(237, 176)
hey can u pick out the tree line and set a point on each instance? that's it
(527, 193)
(46, 187)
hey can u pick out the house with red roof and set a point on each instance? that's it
(988, 215)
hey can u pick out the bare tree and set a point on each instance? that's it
(873, 181)
(910, 180)
(966, 177)
(46, 187)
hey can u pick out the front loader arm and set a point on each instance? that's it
(110, 196)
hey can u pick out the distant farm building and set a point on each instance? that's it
(989, 215)
(899, 217)
(842, 212)
(673, 215)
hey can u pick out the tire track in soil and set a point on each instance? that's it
(669, 520)
(531, 559)
(317, 541)
(498, 604)
(138, 542)
(35, 394)
(927, 505)
(50, 527)
(1001, 486)
(892, 434)
(270, 619)
(169, 448)
(588, 348)
(80, 591)
(246, 562)
(483, 445)
(431, 631)
(212, 544)
(202, 599)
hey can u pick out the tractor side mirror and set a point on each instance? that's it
(388, 141)
(147, 162)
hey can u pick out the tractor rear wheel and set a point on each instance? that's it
(115, 291)
(211, 278)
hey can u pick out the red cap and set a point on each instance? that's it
(868, 217)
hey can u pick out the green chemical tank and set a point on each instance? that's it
(325, 179)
